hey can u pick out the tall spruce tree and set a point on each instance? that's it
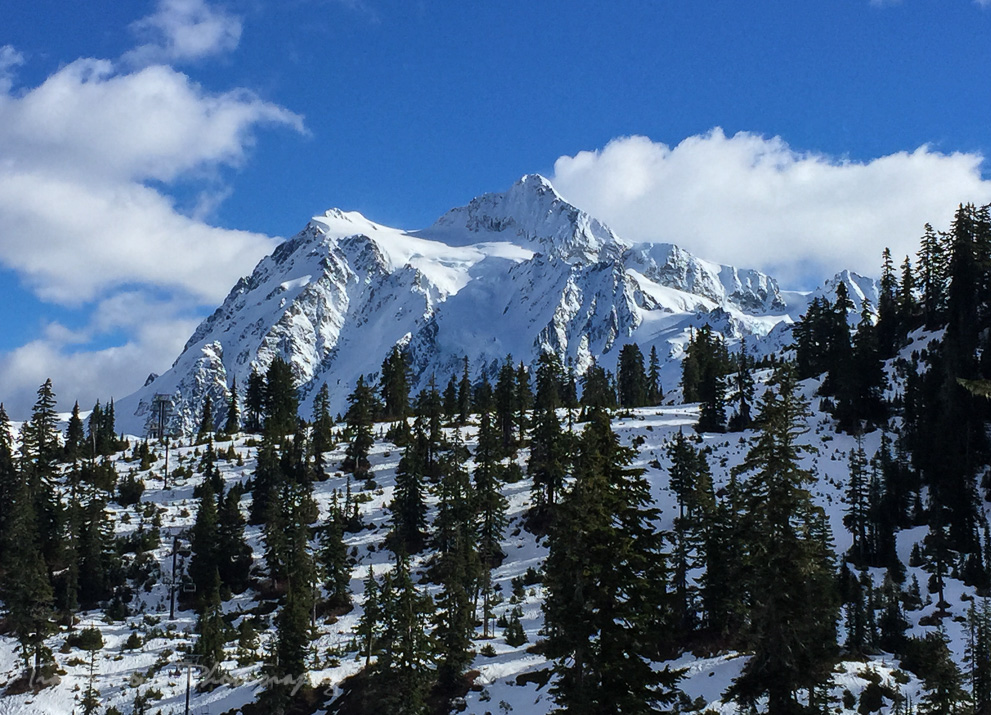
(359, 418)
(281, 400)
(631, 378)
(792, 625)
(605, 610)
(394, 379)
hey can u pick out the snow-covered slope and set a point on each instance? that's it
(514, 273)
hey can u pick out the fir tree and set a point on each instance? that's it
(206, 421)
(654, 391)
(464, 395)
(335, 562)
(631, 378)
(394, 384)
(254, 402)
(743, 390)
(322, 439)
(490, 506)
(232, 425)
(793, 617)
(409, 510)
(359, 420)
(281, 400)
(204, 542)
(605, 612)
(404, 670)
(75, 437)
(233, 553)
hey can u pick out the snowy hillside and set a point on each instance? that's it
(515, 273)
(143, 654)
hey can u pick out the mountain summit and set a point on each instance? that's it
(517, 273)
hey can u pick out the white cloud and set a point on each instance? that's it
(10, 59)
(87, 220)
(753, 201)
(184, 30)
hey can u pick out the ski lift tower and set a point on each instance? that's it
(161, 404)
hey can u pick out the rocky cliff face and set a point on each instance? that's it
(514, 273)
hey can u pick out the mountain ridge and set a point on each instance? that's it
(513, 273)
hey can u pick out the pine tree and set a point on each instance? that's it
(654, 391)
(451, 399)
(322, 439)
(254, 402)
(490, 506)
(597, 390)
(743, 390)
(457, 567)
(75, 436)
(207, 426)
(631, 378)
(205, 559)
(40, 452)
(857, 513)
(404, 670)
(26, 589)
(505, 399)
(793, 616)
(464, 395)
(281, 400)
(943, 684)
(932, 275)
(335, 562)
(232, 425)
(409, 509)
(359, 419)
(234, 556)
(604, 611)
(394, 384)
(978, 655)
(210, 626)
(547, 463)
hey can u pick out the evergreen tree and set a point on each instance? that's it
(322, 439)
(604, 611)
(857, 518)
(505, 398)
(490, 506)
(394, 384)
(403, 673)
(40, 452)
(524, 402)
(597, 390)
(457, 568)
(631, 378)
(210, 626)
(409, 509)
(335, 562)
(932, 262)
(254, 402)
(281, 400)
(205, 559)
(464, 395)
(654, 391)
(792, 629)
(451, 399)
(232, 425)
(359, 419)
(233, 553)
(266, 481)
(944, 693)
(206, 421)
(25, 587)
(743, 390)
(548, 449)
(75, 436)
(978, 655)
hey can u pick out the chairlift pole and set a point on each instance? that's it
(175, 550)
(189, 676)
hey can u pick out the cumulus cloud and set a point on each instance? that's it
(182, 30)
(753, 201)
(87, 221)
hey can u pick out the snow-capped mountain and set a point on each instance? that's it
(514, 273)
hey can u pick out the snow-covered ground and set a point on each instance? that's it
(508, 681)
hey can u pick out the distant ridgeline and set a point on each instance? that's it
(514, 520)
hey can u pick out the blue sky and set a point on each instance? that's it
(151, 152)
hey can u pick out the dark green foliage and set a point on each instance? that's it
(790, 582)
(207, 425)
(703, 378)
(322, 439)
(549, 444)
(232, 424)
(978, 655)
(605, 612)
(631, 379)
(597, 389)
(233, 553)
(394, 382)
(211, 628)
(404, 670)
(359, 417)
(281, 400)
(409, 509)
(204, 542)
(75, 437)
(254, 402)
(335, 562)
(742, 394)
(464, 395)
(654, 391)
